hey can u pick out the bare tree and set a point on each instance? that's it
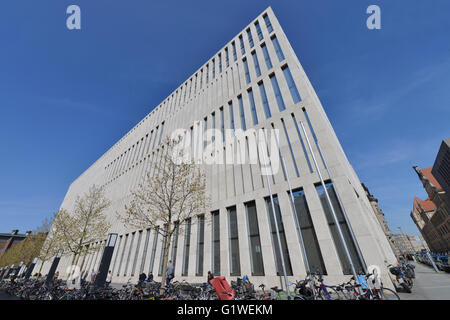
(85, 224)
(170, 194)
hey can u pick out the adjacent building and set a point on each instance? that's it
(441, 169)
(255, 81)
(432, 215)
(7, 240)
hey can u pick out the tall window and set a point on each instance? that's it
(266, 56)
(265, 102)
(235, 264)
(253, 107)
(123, 253)
(230, 104)
(255, 61)
(216, 242)
(205, 129)
(153, 255)
(161, 259)
(291, 85)
(234, 51)
(276, 247)
(136, 253)
(222, 124)
(144, 253)
(301, 141)
(213, 126)
(220, 62)
(308, 233)
(277, 91)
(268, 24)
(247, 72)
(207, 73)
(175, 243)
(258, 30)
(187, 244)
(256, 257)
(241, 110)
(200, 244)
(345, 264)
(213, 68)
(227, 58)
(241, 40)
(201, 78)
(278, 50)
(250, 38)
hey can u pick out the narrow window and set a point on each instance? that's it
(161, 259)
(291, 85)
(345, 264)
(205, 128)
(308, 233)
(213, 137)
(227, 58)
(235, 264)
(277, 91)
(207, 73)
(276, 247)
(290, 148)
(241, 110)
(234, 51)
(216, 242)
(316, 141)
(268, 24)
(278, 50)
(230, 104)
(187, 244)
(136, 253)
(250, 38)
(265, 102)
(152, 257)
(242, 45)
(220, 62)
(117, 254)
(161, 134)
(247, 72)
(175, 243)
(123, 253)
(144, 253)
(213, 68)
(200, 244)
(252, 107)
(258, 30)
(256, 257)
(255, 61)
(201, 78)
(222, 124)
(303, 144)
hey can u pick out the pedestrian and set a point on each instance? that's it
(150, 277)
(210, 277)
(169, 273)
(93, 274)
(108, 278)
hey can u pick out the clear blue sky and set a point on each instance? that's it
(67, 96)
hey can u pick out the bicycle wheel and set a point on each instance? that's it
(388, 294)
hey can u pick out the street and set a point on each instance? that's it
(428, 285)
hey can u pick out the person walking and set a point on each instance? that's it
(108, 278)
(169, 273)
(150, 277)
(210, 277)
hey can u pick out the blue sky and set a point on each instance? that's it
(67, 96)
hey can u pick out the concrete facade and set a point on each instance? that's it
(223, 79)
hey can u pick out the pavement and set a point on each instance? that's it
(5, 296)
(428, 285)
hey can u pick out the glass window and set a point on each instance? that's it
(200, 244)
(256, 257)
(242, 45)
(153, 255)
(187, 244)
(276, 247)
(234, 51)
(161, 260)
(345, 264)
(252, 107)
(276, 90)
(123, 253)
(291, 85)
(301, 141)
(201, 78)
(290, 148)
(258, 30)
(235, 264)
(136, 253)
(144, 253)
(278, 50)
(265, 102)
(213, 138)
(268, 24)
(207, 73)
(247, 72)
(255, 61)
(227, 58)
(266, 57)
(213, 68)
(220, 62)
(241, 110)
(308, 233)
(250, 38)
(222, 124)
(205, 128)
(216, 242)
(231, 117)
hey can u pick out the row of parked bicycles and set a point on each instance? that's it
(313, 287)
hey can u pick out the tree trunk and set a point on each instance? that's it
(165, 260)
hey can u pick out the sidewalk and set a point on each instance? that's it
(428, 285)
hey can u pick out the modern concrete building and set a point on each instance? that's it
(255, 81)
